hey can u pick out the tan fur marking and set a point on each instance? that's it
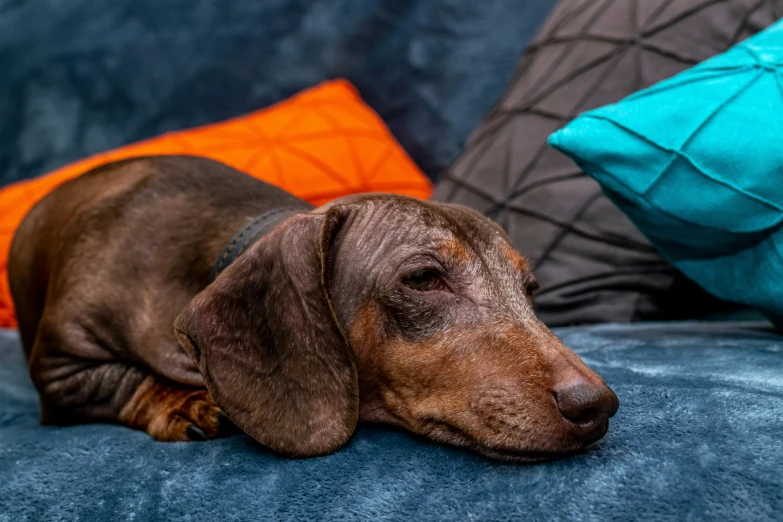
(456, 250)
(515, 258)
(165, 410)
(485, 386)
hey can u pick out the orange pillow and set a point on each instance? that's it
(321, 144)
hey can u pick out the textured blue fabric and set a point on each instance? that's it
(696, 162)
(84, 76)
(699, 436)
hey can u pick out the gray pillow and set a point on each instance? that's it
(592, 263)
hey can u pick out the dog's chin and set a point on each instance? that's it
(451, 435)
(523, 456)
(445, 433)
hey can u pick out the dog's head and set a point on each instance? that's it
(390, 309)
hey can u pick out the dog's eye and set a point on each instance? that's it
(423, 280)
(531, 287)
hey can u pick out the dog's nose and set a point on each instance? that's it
(588, 407)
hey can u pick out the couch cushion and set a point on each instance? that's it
(593, 264)
(697, 437)
(695, 162)
(319, 145)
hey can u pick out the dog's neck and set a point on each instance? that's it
(249, 234)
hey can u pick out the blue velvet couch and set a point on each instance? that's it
(699, 434)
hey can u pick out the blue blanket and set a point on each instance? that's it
(699, 435)
(84, 76)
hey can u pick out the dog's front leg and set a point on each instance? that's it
(80, 381)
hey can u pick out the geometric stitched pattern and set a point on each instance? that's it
(319, 145)
(592, 262)
(695, 162)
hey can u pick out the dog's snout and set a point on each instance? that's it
(584, 401)
(588, 407)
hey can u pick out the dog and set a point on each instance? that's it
(181, 297)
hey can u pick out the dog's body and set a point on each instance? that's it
(341, 312)
(101, 268)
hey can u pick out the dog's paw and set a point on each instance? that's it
(193, 416)
(171, 413)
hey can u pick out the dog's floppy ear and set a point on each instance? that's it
(266, 339)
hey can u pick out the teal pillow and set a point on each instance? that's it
(696, 162)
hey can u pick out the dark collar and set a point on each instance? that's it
(249, 234)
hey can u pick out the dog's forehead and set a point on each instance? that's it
(399, 225)
(471, 231)
(429, 220)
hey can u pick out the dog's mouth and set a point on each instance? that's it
(444, 432)
(449, 433)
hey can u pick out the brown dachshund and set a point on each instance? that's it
(377, 308)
